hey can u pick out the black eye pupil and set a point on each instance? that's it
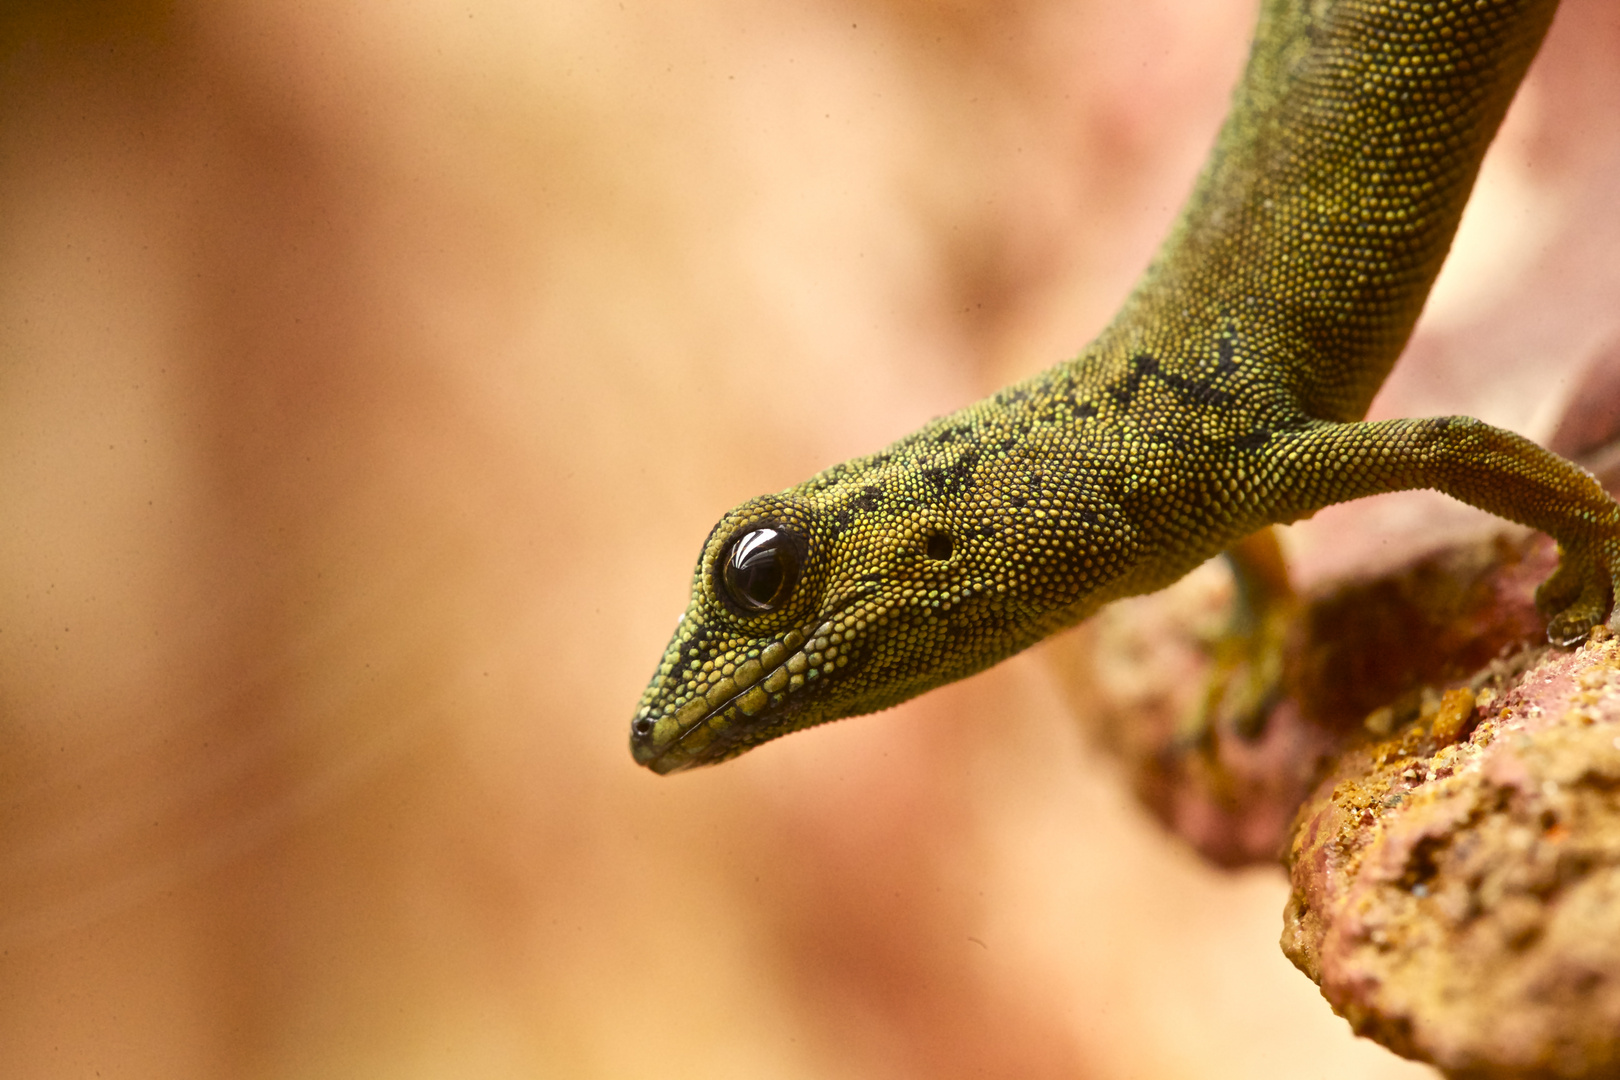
(759, 570)
(939, 547)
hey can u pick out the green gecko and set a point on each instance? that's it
(1226, 395)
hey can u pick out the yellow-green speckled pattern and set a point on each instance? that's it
(1226, 395)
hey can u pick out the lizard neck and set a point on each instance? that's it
(1325, 211)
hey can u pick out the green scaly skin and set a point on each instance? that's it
(1226, 395)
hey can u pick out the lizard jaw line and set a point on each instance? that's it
(827, 640)
(727, 742)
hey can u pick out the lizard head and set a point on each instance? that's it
(861, 588)
(796, 619)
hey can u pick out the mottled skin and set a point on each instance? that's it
(1226, 395)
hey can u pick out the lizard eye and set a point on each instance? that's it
(760, 569)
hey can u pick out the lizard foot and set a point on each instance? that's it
(1245, 678)
(1245, 682)
(1580, 594)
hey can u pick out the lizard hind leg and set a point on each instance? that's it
(1245, 678)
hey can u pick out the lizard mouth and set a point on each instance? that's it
(744, 709)
(705, 732)
(698, 745)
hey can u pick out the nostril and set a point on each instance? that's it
(642, 727)
(939, 547)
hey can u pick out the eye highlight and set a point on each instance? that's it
(759, 570)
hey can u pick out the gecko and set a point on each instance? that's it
(1227, 394)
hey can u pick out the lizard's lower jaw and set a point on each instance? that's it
(685, 751)
(663, 762)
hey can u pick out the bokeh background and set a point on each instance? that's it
(370, 373)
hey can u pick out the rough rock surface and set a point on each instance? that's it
(1448, 810)
(1458, 899)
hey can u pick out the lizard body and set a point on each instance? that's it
(1226, 395)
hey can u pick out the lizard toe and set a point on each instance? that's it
(1580, 594)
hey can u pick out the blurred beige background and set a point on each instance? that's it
(370, 373)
